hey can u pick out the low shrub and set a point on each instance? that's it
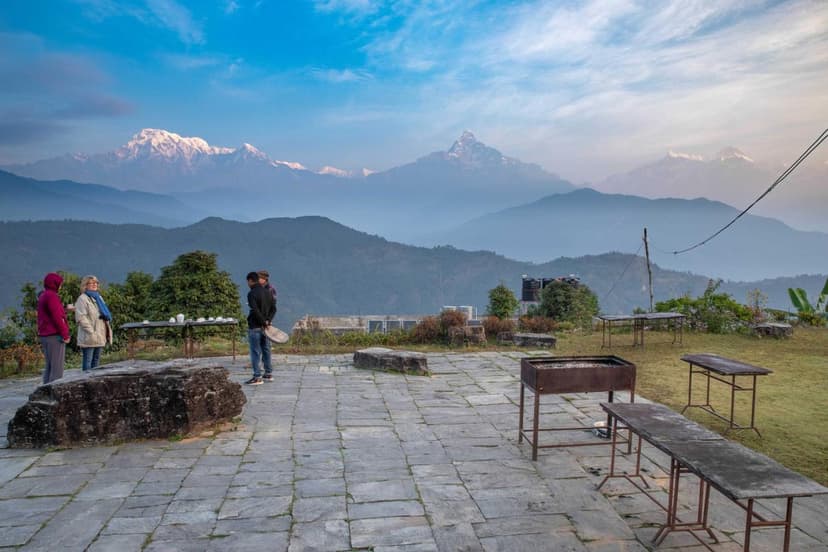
(451, 319)
(814, 319)
(538, 324)
(20, 358)
(494, 325)
(429, 330)
(712, 312)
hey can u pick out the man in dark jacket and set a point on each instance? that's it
(262, 310)
(52, 327)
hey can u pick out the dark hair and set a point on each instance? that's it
(252, 277)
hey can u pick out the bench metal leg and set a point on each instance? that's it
(520, 420)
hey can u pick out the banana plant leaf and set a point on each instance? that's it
(800, 300)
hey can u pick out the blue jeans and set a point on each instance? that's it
(259, 351)
(91, 357)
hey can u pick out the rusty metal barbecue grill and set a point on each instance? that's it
(574, 374)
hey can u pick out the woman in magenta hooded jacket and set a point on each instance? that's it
(52, 327)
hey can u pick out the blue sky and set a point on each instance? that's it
(582, 88)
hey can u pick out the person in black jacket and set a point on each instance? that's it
(262, 310)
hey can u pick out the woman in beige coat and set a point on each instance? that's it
(93, 318)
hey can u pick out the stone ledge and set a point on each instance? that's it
(534, 340)
(118, 404)
(773, 329)
(389, 360)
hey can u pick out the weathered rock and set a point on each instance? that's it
(504, 338)
(465, 335)
(475, 335)
(534, 340)
(389, 360)
(456, 336)
(119, 404)
(773, 329)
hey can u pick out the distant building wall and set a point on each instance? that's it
(365, 323)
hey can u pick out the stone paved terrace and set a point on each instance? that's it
(332, 458)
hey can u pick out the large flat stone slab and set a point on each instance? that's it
(534, 340)
(121, 404)
(389, 360)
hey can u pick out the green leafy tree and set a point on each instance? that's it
(569, 302)
(502, 302)
(194, 285)
(26, 318)
(129, 302)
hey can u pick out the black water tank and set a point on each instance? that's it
(531, 289)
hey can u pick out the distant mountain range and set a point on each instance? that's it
(470, 196)
(586, 222)
(321, 267)
(243, 183)
(29, 199)
(733, 177)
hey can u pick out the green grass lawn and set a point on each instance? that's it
(791, 403)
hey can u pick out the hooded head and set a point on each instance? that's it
(52, 281)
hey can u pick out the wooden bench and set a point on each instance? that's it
(737, 472)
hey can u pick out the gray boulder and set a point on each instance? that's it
(117, 404)
(534, 340)
(389, 360)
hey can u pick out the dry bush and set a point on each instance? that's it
(537, 324)
(452, 319)
(21, 358)
(427, 331)
(495, 325)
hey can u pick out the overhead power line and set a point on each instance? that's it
(814, 145)
(629, 264)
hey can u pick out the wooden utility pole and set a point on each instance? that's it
(649, 270)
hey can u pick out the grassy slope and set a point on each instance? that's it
(791, 403)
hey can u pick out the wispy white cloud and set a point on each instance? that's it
(167, 14)
(177, 18)
(231, 7)
(631, 78)
(348, 6)
(187, 62)
(339, 75)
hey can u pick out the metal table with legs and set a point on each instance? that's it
(187, 332)
(724, 370)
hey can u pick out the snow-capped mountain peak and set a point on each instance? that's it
(469, 151)
(342, 173)
(248, 151)
(732, 153)
(464, 145)
(333, 171)
(680, 155)
(289, 164)
(158, 144)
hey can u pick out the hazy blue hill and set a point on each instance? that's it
(29, 199)
(588, 222)
(320, 266)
